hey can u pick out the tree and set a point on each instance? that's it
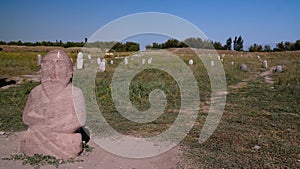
(118, 47)
(194, 42)
(2, 43)
(279, 47)
(156, 45)
(288, 46)
(238, 43)
(171, 43)
(148, 47)
(218, 45)
(267, 48)
(255, 48)
(227, 46)
(182, 45)
(297, 45)
(131, 47)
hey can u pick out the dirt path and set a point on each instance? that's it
(97, 159)
(265, 74)
(18, 80)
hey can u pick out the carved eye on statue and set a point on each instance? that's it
(60, 64)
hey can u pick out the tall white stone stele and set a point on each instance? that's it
(265, 64)
(39, 59)
(102, 65)
(79, 63)
(126, 61)
(191, 62)
(212, 63)
(150, 61)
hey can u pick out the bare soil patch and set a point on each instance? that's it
(98, 158)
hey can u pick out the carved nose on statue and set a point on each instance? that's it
(53, 76)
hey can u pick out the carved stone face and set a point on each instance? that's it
(56, 68)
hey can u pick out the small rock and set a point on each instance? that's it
(256, 147)
(243, 67)
(2, 133)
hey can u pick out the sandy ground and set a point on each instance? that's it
(97, 159)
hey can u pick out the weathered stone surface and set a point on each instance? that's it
(55, 111)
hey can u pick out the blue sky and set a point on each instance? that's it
(257, 21)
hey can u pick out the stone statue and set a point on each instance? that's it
(55, 111)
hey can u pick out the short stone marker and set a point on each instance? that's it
(39, 59)
(243, 67)
(150, 61)
(55, 111)
(111, 62)
(126, 61)
(212, 63)
(265, 64)
(278, 68)
(191, 62)
(79, 62)
(143, 61)
(102, 65)
(232, 63)
(89, 56)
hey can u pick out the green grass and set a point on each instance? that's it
(20, 63)
(17, 63)
(12, 103)
(256, 113)
(39, 160)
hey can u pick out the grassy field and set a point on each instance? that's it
(259, 127)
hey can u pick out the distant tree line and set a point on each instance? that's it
(236, 43)
(281, 46)
(44, 43)
(115, 46)
(200, 43)
(125, 47)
